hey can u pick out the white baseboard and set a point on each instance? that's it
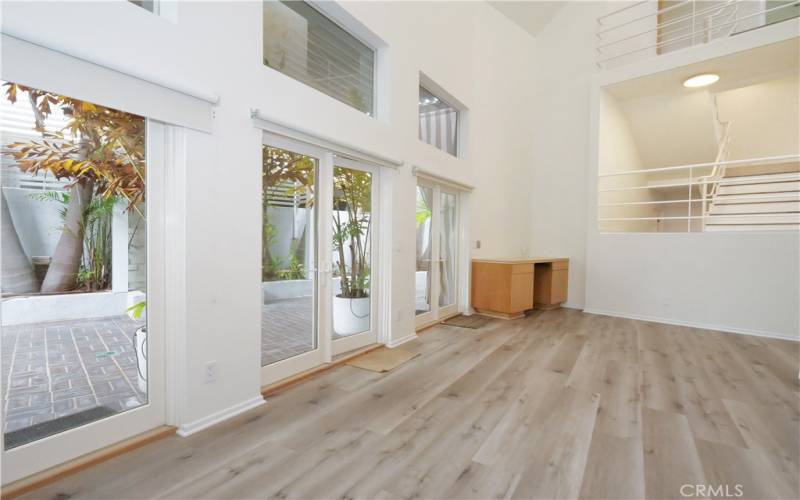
(567, 305)
(215, 418)
(693, 324)
(403, 340)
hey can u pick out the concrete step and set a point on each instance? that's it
(772, 207)
(756, 198)
(770, 187)
(760, 178)
(753, 227)
(753, 219)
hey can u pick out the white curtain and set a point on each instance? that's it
(438, 128)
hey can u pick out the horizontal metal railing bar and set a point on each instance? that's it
(686, 217)
(699, 32)
(693, 182)
(623, 9)
(761, 198)
(686, 17)
(734, 163)
(637, 203)
(652, 186)
(640, 18)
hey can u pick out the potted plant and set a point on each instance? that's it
(351, 236)
(140, 344)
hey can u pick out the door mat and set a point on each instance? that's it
(475, 321)
(37, 431)
(382, 360)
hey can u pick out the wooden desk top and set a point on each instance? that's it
(529, 260)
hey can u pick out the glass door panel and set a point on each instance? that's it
(74, 279)
(447, 249)
(436, 287)
(82, 282)
(351, 257)
(424, 269)
(289, 255)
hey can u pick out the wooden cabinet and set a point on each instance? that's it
(508, 288)
(550, 284)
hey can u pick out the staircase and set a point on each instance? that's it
(758, 202)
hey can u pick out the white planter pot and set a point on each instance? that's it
(140, 342)
(350, 316)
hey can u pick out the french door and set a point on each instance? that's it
(437, 220)
(85, 369)
(318, 252)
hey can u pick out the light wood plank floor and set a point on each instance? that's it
(560, 404)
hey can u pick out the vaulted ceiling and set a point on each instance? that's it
(532, 16)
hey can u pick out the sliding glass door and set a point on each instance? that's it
(437, 253)
(317, 273)
(82, 283)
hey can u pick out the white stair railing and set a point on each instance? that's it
(710, 182)
(643, 29)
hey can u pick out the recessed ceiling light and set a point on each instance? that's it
(701, 80)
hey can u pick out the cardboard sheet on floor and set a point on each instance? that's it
(474, 322)
(382, 360)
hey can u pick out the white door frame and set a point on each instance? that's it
(323, 320)
(321, 354)
(370, 336)
(436, 312)
(53, 450)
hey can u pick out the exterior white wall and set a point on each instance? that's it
(468, 48)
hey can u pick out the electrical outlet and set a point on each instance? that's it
(477, 243)
(211, 372)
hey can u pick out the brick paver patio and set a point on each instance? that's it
(55, 369)
(286, 329)
(51, 370)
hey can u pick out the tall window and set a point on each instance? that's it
(300, 42)
(438, 122)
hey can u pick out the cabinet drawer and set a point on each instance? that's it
(521, 268)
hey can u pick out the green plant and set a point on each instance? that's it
(103, 155)
(292, 172)
(296, 270)
(94, 272)
(137, 309)
(352, 195)
(423, 212)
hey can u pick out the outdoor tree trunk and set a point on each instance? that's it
(66, 260)
(17, 274)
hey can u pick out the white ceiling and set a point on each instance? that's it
(736, 70)
(530, 15)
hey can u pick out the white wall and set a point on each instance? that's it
(738, 282)
(560, 137)
(468, 48)
(619, 153)
(765, 118)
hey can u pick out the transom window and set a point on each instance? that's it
(438, 122)
(301, 42)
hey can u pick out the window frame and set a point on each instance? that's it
(334, 13)
(462, 115)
